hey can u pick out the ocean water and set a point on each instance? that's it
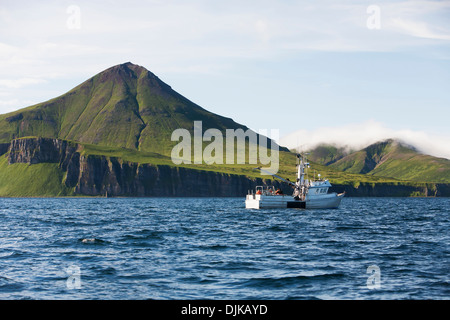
(209, 248)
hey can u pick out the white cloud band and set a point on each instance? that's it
(358, 136)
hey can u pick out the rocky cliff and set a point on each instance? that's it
(41, 150)
(93, 175)
(100, 175)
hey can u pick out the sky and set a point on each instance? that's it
(350, 72)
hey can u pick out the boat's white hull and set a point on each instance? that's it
(326, 201)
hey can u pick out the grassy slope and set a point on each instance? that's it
(389, 159)
(38, 180)
(415, 168)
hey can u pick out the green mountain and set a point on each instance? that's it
(388, 158)
(124, 106)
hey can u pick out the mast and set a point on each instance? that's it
(301, 165)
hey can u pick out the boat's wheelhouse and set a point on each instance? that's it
(317, 188)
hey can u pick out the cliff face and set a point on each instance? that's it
(40, 150)
(100, 175)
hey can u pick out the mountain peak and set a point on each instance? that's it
(126, 65)
(123, 70)
(391, 144)
(130, 66)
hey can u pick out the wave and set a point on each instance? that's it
(8, 285)
(288, 281)
(214, 247)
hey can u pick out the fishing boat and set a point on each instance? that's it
(307, 194)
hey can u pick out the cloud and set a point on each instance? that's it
(200, 37)
(419, 29)
(8, 103)
(191, 33)
(19, 83)
(418, 19)
(358, 136)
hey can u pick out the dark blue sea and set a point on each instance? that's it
(213, 248)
